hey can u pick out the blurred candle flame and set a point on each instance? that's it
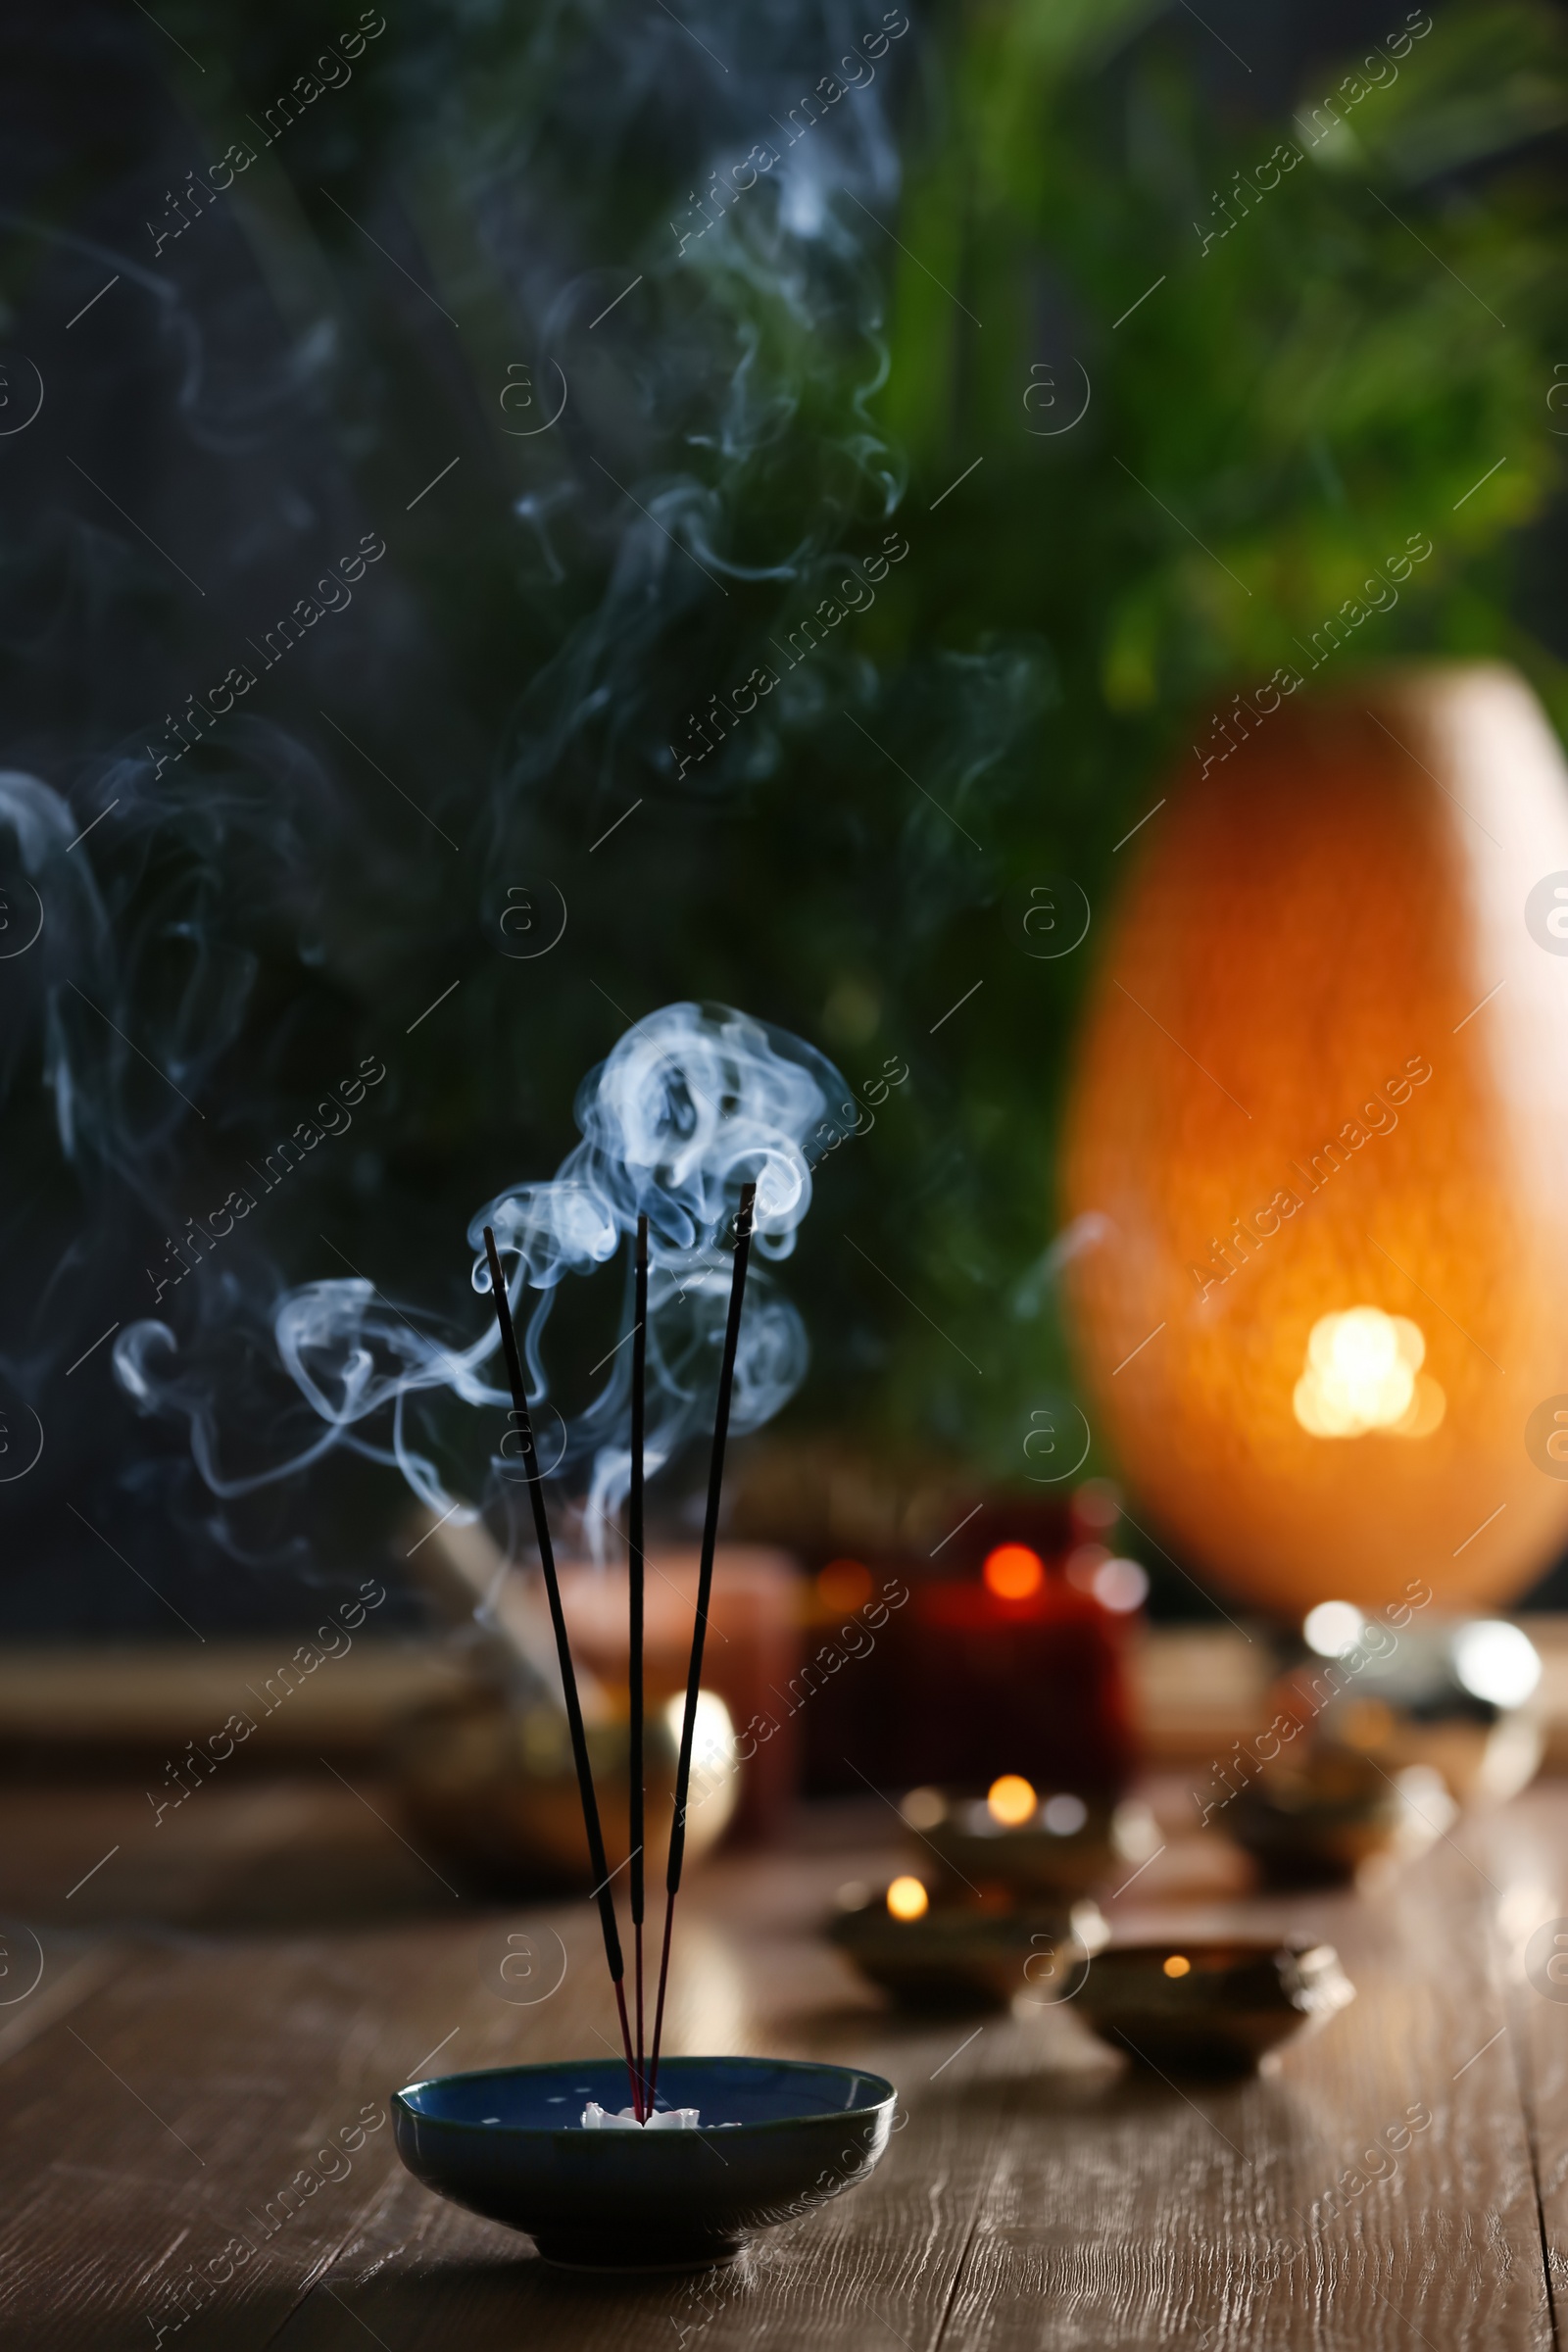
(1363, 1372)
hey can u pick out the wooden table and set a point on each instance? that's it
(227, 1994)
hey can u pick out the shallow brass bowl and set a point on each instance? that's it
(495, 1791)
(957, 1956)
(1027, 1863)
(1230, 2006)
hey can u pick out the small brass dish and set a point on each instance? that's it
(1211, 2008)
(1336, 1815)
(957, 1956)
(493, 1789)
(1067, 1847)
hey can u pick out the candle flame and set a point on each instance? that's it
(1012, 1572)
(1363, 1372)
(1012, 1800)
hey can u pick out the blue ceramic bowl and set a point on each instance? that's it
(510, 2143)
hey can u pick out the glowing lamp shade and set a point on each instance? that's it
(1321, 1114)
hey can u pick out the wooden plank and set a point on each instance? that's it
(750, 1973)
(240, 1853)
(1527, 1856)
(69, 1974)
(173, 2109)
(1107, 2208)
(1036, 2191)
(157, 1697)
(1157, 2214)
(170, 2118)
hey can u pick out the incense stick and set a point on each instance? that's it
(568, 1678)
(705, 1582)
(634, 1579)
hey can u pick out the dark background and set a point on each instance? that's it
(293, 368)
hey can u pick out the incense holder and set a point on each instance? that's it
(777, 2138)
(1216, 2008)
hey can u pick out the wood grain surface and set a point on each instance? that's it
(195, 2150)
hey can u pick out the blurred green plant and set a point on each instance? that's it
(1291, 333)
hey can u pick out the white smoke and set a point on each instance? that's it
(691, 1104)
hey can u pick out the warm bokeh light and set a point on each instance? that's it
(1012, 1572)
(1083, 1564)
(1010, 1801)
(923, 1808)
(1333, 1628)
(1496, 1662)
(1097, 1503)
(844, 1585)
(907, 1899)
(1365, 1723)
(1178, 1965)
(1120, 1585)
(1360, 1374)
(1117, 1585)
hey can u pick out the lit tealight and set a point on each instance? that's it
(1178, 1965)
(1363, 1372)
(1333, 1628)
(907, 1899)
(1012, 1800)
(1012, 1572)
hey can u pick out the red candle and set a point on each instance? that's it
(1025, 1681)
(962, 1682)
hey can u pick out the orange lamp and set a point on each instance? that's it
(1322, 1105)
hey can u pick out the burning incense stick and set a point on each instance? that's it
(634, 1579)
(705, 1582)
(568, 1679)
